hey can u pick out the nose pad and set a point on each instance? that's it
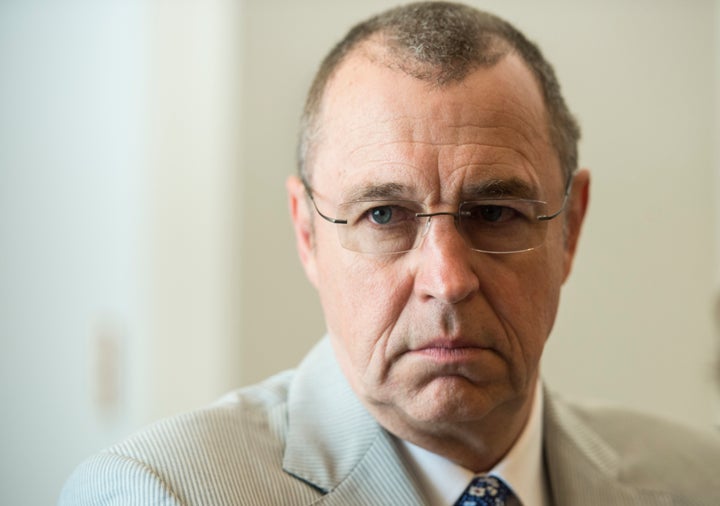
(428, 222)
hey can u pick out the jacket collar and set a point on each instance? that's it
(335, 445)
(582, 468)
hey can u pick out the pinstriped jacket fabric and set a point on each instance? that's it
(303, 438)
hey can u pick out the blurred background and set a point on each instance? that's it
(147, 263)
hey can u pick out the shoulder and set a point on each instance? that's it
(234, 424)
(630, 432)
(644, 451)
(259, 410)
(216, 455)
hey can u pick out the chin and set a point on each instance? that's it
(454, 400)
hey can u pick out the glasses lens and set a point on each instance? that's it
(502, 226)
(380, 226)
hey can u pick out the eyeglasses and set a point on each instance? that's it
(498, 225)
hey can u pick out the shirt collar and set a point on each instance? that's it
(522, 468)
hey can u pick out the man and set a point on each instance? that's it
(437, 212)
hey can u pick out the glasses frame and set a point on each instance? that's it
(456, 217)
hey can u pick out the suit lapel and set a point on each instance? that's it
(582, 468)
(381, 477)
(335, 445)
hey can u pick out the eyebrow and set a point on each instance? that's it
(384, 191)
(491, 188)
(500, 188)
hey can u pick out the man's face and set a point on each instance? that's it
(441, 333)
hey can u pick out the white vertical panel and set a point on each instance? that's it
(119, 224)
(71, 185)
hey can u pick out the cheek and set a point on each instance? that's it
(363, 302)
(527, 289)
(361, 297)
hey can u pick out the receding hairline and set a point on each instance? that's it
(383, 48)
(441, 43)
(379, 49)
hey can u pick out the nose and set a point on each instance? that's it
(445, 270)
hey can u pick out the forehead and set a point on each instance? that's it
(380, 126)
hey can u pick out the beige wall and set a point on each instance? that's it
(192, 230)
(636, 323)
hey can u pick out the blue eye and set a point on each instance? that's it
(381, 215)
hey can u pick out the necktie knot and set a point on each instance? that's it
(484, 491)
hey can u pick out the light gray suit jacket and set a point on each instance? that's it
(302, 437)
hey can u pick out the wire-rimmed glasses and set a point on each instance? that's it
(492, 225)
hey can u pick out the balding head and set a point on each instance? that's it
(440, 43)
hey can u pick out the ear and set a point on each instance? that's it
(303, 226)
(575, 215)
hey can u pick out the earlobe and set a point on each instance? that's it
(576, 210)
(302, 225)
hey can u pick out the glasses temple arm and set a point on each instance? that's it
(568, 187)
(309, 192)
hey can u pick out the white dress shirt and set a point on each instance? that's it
(522, 469)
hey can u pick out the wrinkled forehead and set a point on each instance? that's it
(380, 126)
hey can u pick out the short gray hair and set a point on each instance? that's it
(443, 42)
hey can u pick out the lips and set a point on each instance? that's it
(449, 344)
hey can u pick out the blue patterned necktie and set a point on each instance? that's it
(485, 491)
